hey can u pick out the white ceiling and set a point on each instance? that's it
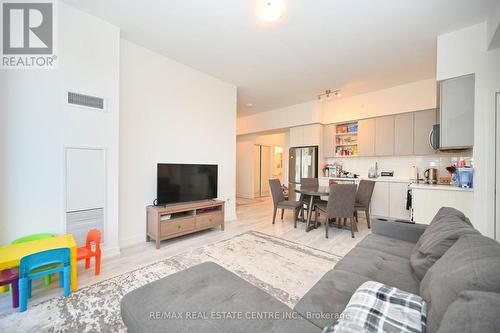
(355, 45)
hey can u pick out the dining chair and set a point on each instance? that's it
(363, 199)
(279, 202)
(60, 258)
(308, 182)
(340, 205)
(10, 277)
(47, 279)
(91, 249)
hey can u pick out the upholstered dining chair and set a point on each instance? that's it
(280, 202)
(308, 182)
(363, 199)
(340, 205)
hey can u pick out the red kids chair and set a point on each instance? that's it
(86, 252)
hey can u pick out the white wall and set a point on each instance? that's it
(294, 115)
(244, 165)
(465, 52)
(36, 126)
(420, 95)
(170, 113)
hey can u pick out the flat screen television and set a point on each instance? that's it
(185, 182)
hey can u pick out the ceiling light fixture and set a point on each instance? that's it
(327, 95)
(270, 10)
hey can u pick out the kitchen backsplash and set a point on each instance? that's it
(401, 164)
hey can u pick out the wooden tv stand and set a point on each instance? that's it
(169, 221)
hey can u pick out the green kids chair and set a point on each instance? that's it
(47, 279)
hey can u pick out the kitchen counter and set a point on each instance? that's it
(379, 179)
(440, 187)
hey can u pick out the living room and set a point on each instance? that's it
(150, 131)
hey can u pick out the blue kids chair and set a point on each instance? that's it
(33, 262)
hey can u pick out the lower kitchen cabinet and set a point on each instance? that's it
(380, 200)
(389, 200)
(397, 201)
(427, 201)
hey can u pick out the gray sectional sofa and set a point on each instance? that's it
(448, 263)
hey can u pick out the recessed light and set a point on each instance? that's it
(270, 10)
(249, 105)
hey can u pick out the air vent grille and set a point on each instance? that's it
(87, 101)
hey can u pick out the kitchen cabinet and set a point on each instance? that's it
(310, 135)
(329, 140)
(389, 200)
(397, 201)
(427, 200)
(366, 137)
(422, 127)
(379, 205)
(456, 106)
(403, 134)
(296, 136)
(384, 136)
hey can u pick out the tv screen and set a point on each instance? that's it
(186, 182)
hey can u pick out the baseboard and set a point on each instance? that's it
(110, 251)
(244, 196)
(129, 241)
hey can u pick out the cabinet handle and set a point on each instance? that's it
(430, 138)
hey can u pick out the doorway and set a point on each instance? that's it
(261, 170)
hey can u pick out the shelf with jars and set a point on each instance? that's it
(346, 140)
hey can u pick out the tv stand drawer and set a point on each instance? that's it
(174, 227)
(208, 219)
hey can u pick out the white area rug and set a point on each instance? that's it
(284, 269)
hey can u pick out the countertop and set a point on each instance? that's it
(440, 187)
(379, 179)
(406, 181)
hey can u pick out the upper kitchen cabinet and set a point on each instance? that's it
(403, 134)
(310, 135)
(329, 140)
(457, 112)
(366, 137)
(422, 127)
(384, 136)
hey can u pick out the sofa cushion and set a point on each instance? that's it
(388, 245)
(381, 267)
(473, 311)
(326, 300)
(207, 298)
(472, 263)
(447, 226)
(330, 295)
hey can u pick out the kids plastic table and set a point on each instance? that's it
(10, 255)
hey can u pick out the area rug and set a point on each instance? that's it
(284, 269)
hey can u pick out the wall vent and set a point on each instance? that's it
(86, 101)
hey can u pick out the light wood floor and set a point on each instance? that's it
(252, 215)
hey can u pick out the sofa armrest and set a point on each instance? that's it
(408, 232)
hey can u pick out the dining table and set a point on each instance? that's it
(10, 255)
(313, 192)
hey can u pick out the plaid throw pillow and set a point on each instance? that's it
(375, 307)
